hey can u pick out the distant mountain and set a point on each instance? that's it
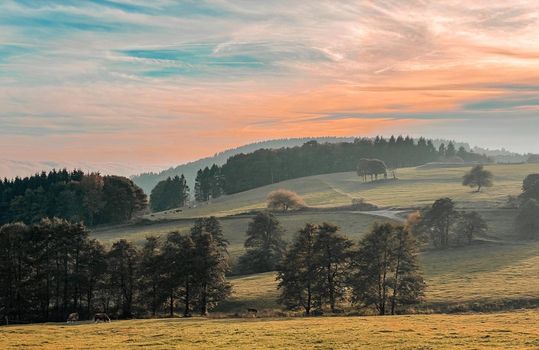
(10, 168)
(147, 181)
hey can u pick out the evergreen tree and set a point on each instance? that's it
(169, 193)
(298, 272)
(264, 243)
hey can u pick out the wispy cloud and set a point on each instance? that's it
(140, 76)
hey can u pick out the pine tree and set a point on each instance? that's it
(264, 243)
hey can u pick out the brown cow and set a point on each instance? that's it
(73, 317)
(252, 312)
(101, 317)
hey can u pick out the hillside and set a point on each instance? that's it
(414, 187)
(493, 273)
(514, 330)
(147, 181)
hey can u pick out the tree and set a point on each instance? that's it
(530, 187)
(437, 221)
(332, 256)
(122, 261)
(283, 200)
(478, 177)
(450, 151)
(208, 183)
(527, 221)
(264, 243)
(92, 189)
(372, 168)
(442, 150)
(212, 226)
(93, 268)
(179, 270)
(169, 193)
(386, 273)
(210, 266)
(151, 274)
(13, 255)
(298, 272)
(471, 224)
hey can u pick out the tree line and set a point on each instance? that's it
(266, 166)
(75, 196)
(52, 268)
(369, 157)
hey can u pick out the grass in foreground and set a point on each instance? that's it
(512, 330)
(480, 274)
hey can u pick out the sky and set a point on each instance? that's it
(134, 85)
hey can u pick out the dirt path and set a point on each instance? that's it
(387, 213)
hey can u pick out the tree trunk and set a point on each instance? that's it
(309, 300)
(187, 310)
(171, 303)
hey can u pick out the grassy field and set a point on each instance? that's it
(514, 330)
(354, 225)
(499, 269)
(457, 278)
(496, 272)
(414, 187)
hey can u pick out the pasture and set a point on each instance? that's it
(510, 330)
(353, 224)
(415, 187)
(497, 269)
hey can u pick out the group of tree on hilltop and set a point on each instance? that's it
(52, 268)
(266, 166)
(369, 157)
(75, 196)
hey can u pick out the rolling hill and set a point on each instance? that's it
(493, 273)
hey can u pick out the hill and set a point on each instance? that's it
(492, 274)
(414, 187)
(147, 181)
(511, 330)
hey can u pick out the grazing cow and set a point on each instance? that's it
(73, 317)
(101, 317)
(252, 311)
